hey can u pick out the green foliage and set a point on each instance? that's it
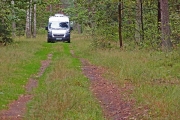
(98, 18)
(11, 13)
(101, 19)
(175, 29)
(5, 34)
(101, 24)
(5, 18)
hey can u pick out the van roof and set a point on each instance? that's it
(59, 18)
(59, 15)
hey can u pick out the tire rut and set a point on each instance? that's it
(16, 109)
(110, 96)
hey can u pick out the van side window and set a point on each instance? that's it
(50, 25)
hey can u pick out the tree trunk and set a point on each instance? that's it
(177, 6)
(28, 20)
(34, 27)
(139, 22)
(30, 17)
(120, 23)
(165, 27)
(79, 28)
(50, 9)
(13, 23)
(27, 25)
(159, 16)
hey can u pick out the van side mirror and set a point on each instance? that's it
(46, 28)
(71, 28)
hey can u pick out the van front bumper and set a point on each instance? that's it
(58, 37)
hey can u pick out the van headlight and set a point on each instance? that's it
(67, 32)
(49, 31)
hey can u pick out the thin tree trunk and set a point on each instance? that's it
(34, 27)
(120, 22)
(177, 6)
(27, 24)
(139, 22)
(13, 23)
(50, 9)
(29, 20)
(165, 27)
(79, 28)
(159, 15)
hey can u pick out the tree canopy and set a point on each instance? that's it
(97, 18)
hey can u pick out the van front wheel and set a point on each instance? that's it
(48, 41)
(69, 41)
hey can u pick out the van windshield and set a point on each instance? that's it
(58, 25)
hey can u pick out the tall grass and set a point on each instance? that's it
(154, 74)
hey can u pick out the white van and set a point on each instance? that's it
(58, 28)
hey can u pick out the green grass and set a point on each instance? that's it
(63, 92)
(18, 62)
(154, 74)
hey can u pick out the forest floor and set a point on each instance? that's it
(110, 96)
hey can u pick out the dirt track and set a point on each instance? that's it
(110, 96)
(18, 108)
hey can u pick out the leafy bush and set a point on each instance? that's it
(5, 35)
